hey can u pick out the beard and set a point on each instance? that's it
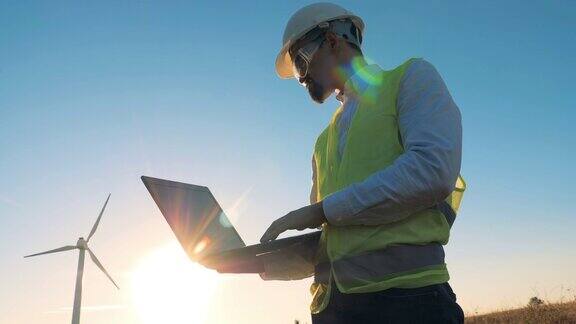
(317, 91)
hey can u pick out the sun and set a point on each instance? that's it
(169, 288)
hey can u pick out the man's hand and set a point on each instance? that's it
(311, 216)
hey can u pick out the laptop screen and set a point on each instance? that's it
(195, 217)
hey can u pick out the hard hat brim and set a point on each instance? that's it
(284, 63)
(283, 59)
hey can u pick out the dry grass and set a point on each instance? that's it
(563, 312)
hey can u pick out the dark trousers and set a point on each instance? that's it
(429, 304)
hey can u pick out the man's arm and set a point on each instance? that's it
(425, 174)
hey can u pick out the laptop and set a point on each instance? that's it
(205, 232)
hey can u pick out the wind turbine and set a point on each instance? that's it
(82, 246)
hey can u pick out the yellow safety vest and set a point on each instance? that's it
(405, 254)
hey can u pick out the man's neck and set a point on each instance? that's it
(350, 67)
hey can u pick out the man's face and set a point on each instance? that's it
(319, 78)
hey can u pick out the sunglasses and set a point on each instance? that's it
(303, 57)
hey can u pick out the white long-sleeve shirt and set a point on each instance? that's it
(431, 132)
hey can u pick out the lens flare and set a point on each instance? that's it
(363, 81)
(204, 242)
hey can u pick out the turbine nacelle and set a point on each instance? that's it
(82, 244)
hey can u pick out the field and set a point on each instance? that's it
(564, 312)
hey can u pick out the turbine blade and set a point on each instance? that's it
(93, 257)
(98, 220)
(64, 248)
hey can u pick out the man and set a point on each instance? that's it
(386, 184)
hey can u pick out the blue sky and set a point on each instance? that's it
(93, 95)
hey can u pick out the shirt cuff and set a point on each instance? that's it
(337, 208)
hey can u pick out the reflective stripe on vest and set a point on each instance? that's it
(377, 264)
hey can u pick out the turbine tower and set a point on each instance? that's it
(82, 246)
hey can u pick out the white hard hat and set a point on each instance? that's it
(304, 20)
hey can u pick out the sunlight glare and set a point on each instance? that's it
(167, 287)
